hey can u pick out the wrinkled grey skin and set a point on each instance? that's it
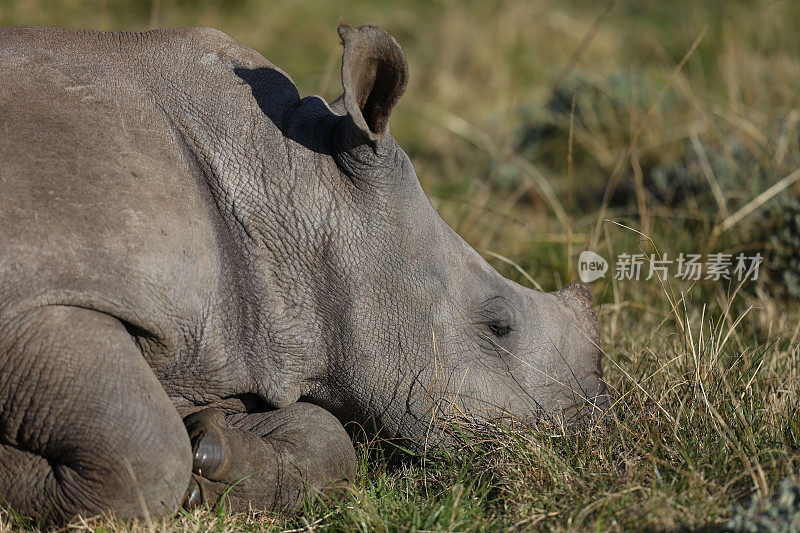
(202, 276)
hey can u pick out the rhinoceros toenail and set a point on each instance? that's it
(194, 496)
(208, 453)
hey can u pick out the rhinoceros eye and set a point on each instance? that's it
(495, 315)
(499, 330)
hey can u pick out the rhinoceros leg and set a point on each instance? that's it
(268, 460)
(85, 427)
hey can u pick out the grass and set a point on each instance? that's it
(539, 132)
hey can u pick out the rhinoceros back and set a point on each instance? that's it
(100, 203)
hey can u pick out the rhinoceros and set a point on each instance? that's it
(205, 277)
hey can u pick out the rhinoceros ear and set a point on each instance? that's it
(374, 76)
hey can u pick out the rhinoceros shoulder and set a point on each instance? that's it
(102, 206)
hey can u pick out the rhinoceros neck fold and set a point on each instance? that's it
(230, 107)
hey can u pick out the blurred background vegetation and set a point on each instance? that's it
(487, 113)
(532, 125)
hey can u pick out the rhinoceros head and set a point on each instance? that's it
(421, 328)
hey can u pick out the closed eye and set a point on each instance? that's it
(499, 330)
(496, 315)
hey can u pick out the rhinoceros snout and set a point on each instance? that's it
(582, 352)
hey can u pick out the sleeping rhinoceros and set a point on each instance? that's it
(203, 276)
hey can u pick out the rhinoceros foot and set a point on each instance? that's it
(272, 460)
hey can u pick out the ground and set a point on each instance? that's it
(541, 130)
